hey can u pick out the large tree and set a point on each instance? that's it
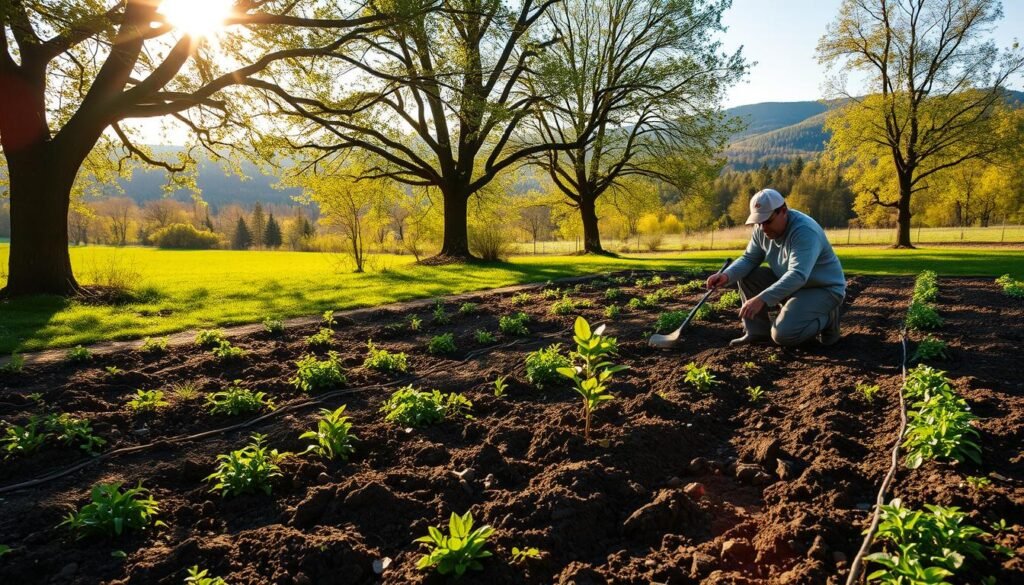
(647, 76)
(935, 84)
(442, 107)
(73, 71)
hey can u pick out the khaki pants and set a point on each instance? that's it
(801, 316)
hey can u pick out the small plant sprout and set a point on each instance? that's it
(332, 436)
(209, 338)
(441, 317)
(521, 299)
(592, 371)
(612, 311)
(500, 385)
(1001, 526)
(186, 391)
(700, 377)
(197, 576)
(226, 352)
(234, 400)
(21, 440)
(410, 407)
(154, 345)
(113, 370)
(468, 308)
(483, 337)
(749, 366)
(79, 354)
(315, 375)
(930, 348)
(543, 365)
(415, 323)
(868, 391)
(978, 482)
(514, 324)
(147, 401)
(755, 393)
(1011, 287)
(669, 321)
(442, 344)
(551, 293)
(15, 365)
(729, 300)
(384, 361)
(565, 306)
(321, 339)
(457, 552)
(612, 294)
(72, 431)
(112, 511)
(521, 554)
(247, 470)
(273, 326)
(328, 319)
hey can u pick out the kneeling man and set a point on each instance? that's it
(803, 277)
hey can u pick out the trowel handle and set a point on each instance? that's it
(725, 265)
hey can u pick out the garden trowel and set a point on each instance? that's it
(669, 340)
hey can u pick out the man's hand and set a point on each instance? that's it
(751, 308)
(717, 280)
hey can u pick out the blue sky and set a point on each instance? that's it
(781, 36)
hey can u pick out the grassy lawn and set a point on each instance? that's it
(191, 289)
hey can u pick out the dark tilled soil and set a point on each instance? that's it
(787, 481)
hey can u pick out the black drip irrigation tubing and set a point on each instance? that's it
(856, 567)
(287, 408)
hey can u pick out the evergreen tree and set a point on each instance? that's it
(272, 238)
(307, 228)
(242, 239)
(259, 226)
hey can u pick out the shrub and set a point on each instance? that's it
(209, 337)
(700, 377)
(491, 242)
(79, 354)
(152, 345)
(273, 326)
(234, 400)
(1011, 287)
(320, 340)
(183, 236)
(457, 552)
(314, 374)
(147, 401)
(921, 316)
(332, 436)
(384, 361)
(227, 352)
(930, 348)
(247, 470)
(113, 511)
(592, 370)
(669, 321)
(542, 365)
(514, 324)
(926, 287)
(483, 337)
(410, 407)
(440, 344)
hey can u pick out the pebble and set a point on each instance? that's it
(379, 565)
(323, 477)
(695, 490)
(699, 465)
(737, 550)
(490, 481)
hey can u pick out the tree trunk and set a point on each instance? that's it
(455, 245)
(591, 233)
(40, 190)
(903, 214)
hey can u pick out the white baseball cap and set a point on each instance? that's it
(763, 203)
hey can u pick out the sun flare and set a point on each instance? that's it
(199, 18)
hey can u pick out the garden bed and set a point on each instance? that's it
(787, 481)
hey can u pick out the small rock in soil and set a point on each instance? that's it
(785, 469)
(671, 510)
(702, 564)
(747, 472)
(737, 550)
(379, 565)
(818, 548)
(490, 481)
(763, 451)
(699, 465)
(323, 477)
(674, 482)
(695, 490)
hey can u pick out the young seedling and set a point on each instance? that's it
(442, 344)
(1011, 287)
(612, 294)
(729, 300)
(209, 338)
(186, 391)
(468, 309)
(564, 306)
(410, 407)
(543, 365)
(202, 577)
(154, 345)
(755, 393)
(321, 339)
(500, 386)
(314, 374)
(669, 321)
(551, 293)
(457, 552)
(332, 437)
(939, 427)
(79, 354)
(226, 352)
(247, 470)
(22, 440)
(441, 317)
(521, 554)
(273, 326)
(868, 391)
(514, 324)
(930, 348)
(328, 319)
(113, 371)
(384, 361)
(593, 371)
(612, 311)
(112, 511)
(483, 337)
(234, 400)
(415, 323)
(922, 316)
(700, 377)
(72, 431)
(521, 299)
(147, 401)
(978, 482)
(15, 365)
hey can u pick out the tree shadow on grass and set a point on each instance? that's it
(24, 318)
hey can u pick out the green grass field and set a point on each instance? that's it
(192, 289)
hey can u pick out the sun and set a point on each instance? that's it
(198, 18)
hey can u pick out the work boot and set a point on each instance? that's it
(747, 339)
(830, 334)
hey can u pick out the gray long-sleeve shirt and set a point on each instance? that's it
(801, 257)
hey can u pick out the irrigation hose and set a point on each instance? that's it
(288, 408)
(858, 561)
